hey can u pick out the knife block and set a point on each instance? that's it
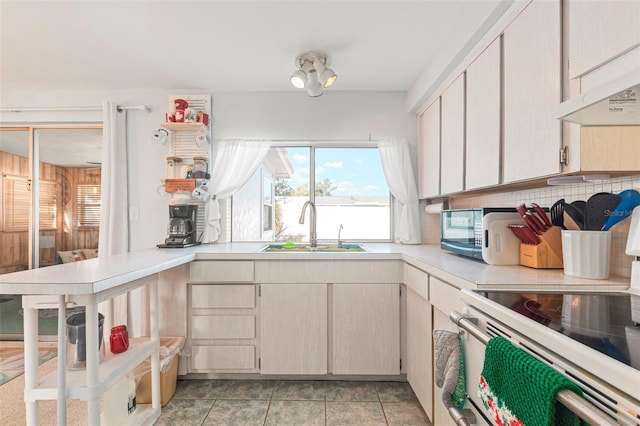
(547, 254)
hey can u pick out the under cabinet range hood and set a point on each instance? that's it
(613, 104)
(609, 95)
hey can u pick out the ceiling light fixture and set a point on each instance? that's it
(312, 73)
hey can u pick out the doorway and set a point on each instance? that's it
(49, 207)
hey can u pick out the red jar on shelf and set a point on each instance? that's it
(119, 339)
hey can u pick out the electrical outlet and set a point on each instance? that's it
(134, 213)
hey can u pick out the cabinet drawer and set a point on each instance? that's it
(444, 297)
(223, 327)
(221, 271)
(416, 280)
(223, 358)
(223, 296)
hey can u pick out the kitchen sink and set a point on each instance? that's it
(288, 248)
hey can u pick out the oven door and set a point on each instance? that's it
(611, 404)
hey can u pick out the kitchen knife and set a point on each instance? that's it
(530, 235)
(532, 222)
(542, 215)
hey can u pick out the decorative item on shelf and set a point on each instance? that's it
(179, 185)
(173, 166)
(202, 192)
(190, 115)
(190, 172)
(203, 138)
(201, 168)
(179, 114)
(203, 118)
(161, 135)
(119, 339)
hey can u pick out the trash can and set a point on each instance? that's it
(77, 341)
(170, 347)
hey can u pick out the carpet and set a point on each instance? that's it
(12, 359)
(12, 408)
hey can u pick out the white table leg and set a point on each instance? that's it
(155, 335)
(92, 332)
(30, 361)
(62, 361)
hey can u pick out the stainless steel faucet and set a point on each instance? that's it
(339, 240)
(313, 237)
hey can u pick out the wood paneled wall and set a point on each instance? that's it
(67, 235)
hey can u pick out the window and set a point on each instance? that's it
(89, 205)
(348, 188)
(16, 199)
(345, 183)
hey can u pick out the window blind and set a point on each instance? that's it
(89, 205)
(15, 201)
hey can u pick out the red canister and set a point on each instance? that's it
(119, 339)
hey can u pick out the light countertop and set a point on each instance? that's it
(95, 275)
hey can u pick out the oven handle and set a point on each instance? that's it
(578, 405)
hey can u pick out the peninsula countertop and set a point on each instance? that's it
(96, 275)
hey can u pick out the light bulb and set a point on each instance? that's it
(299, 79)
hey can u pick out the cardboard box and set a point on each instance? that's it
(168, 372)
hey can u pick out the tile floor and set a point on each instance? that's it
(255, 402)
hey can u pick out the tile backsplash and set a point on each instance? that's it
(620, 263)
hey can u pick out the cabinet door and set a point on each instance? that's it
(452, 146)
(600, 30)
(429, 151)
(293, 329)
(419, 357)
(482, 154)
(366, 328)
(532, 92)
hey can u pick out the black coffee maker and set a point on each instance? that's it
(182, 226)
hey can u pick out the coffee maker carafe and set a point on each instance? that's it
(182, 226)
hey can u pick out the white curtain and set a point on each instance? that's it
(398, 171)
(114, 215)
(234, 163)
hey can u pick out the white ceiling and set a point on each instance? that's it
(78, 147)
(230, 45)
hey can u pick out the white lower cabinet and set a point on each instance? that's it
(293, 329)
(419, 329)
(366, 329)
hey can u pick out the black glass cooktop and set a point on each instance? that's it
(606, 322)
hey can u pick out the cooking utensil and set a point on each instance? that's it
(629, 200)
(598, 208)
(573, 217)
(531, 221)
(542, 214)
(524, 233)
(579, 204)
(556, 211)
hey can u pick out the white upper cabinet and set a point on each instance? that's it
(452, 134)
(429, 151)
(600, 30)
(482, 156)
(532, 92)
